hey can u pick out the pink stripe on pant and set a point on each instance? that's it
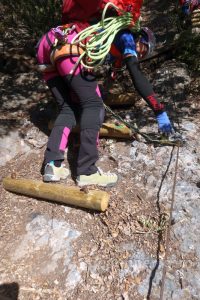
(64, 139)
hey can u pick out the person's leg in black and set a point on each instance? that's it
(92, 115)
(58, 139)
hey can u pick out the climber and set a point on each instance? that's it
(61, 82)
(66, 67)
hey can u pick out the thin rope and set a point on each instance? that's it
(144, 135)
(169, 229)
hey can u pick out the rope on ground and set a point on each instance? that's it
(135, 129)
(169, 229)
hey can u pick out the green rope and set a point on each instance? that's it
(101, 35)
(134, 129)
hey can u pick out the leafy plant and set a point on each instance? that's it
(38, 16)
(188, 49)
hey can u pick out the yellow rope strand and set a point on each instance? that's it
(100, 37)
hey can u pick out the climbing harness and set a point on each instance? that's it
(64, 51)
(174, 140)
(61, 47)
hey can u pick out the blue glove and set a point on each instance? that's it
(164, 124)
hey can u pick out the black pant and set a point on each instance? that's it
(86, 107)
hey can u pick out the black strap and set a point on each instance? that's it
(49, 41)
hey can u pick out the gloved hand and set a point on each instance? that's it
(164, 124)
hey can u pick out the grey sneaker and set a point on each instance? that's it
(98, 178)
(53, 173)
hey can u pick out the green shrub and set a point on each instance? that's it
(188, 49)
(38, 16)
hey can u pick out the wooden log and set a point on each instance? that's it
(111, 130)
(115, 131)
(196, 12)
(119, 100)
(195, 17)
(196, 26)
(107, 130)
(93, 199)
(195, 23)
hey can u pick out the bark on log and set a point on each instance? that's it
(114, 131)
(93, 199)
(107, 130)
(119, 100)
(196, 12)
(195, 24)
(111, 130)
(195, 18)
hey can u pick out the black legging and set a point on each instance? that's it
(85, 87)
(90, 112)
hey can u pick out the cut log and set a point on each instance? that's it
(107, 130)
(93, 199)
(196, 12)
(120, 99)
(114, 131)
(195, 24)
(195, 18)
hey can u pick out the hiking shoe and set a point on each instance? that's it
(98, 178)
(53, 173)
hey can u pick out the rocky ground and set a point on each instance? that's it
(57, 252)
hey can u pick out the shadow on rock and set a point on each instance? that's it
(9, 291)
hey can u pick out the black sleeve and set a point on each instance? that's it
(142, 85)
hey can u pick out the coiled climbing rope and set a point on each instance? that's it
(96, 39)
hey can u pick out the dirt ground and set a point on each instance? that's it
(58, 252)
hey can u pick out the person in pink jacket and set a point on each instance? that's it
(61, 78)
(63, 75)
